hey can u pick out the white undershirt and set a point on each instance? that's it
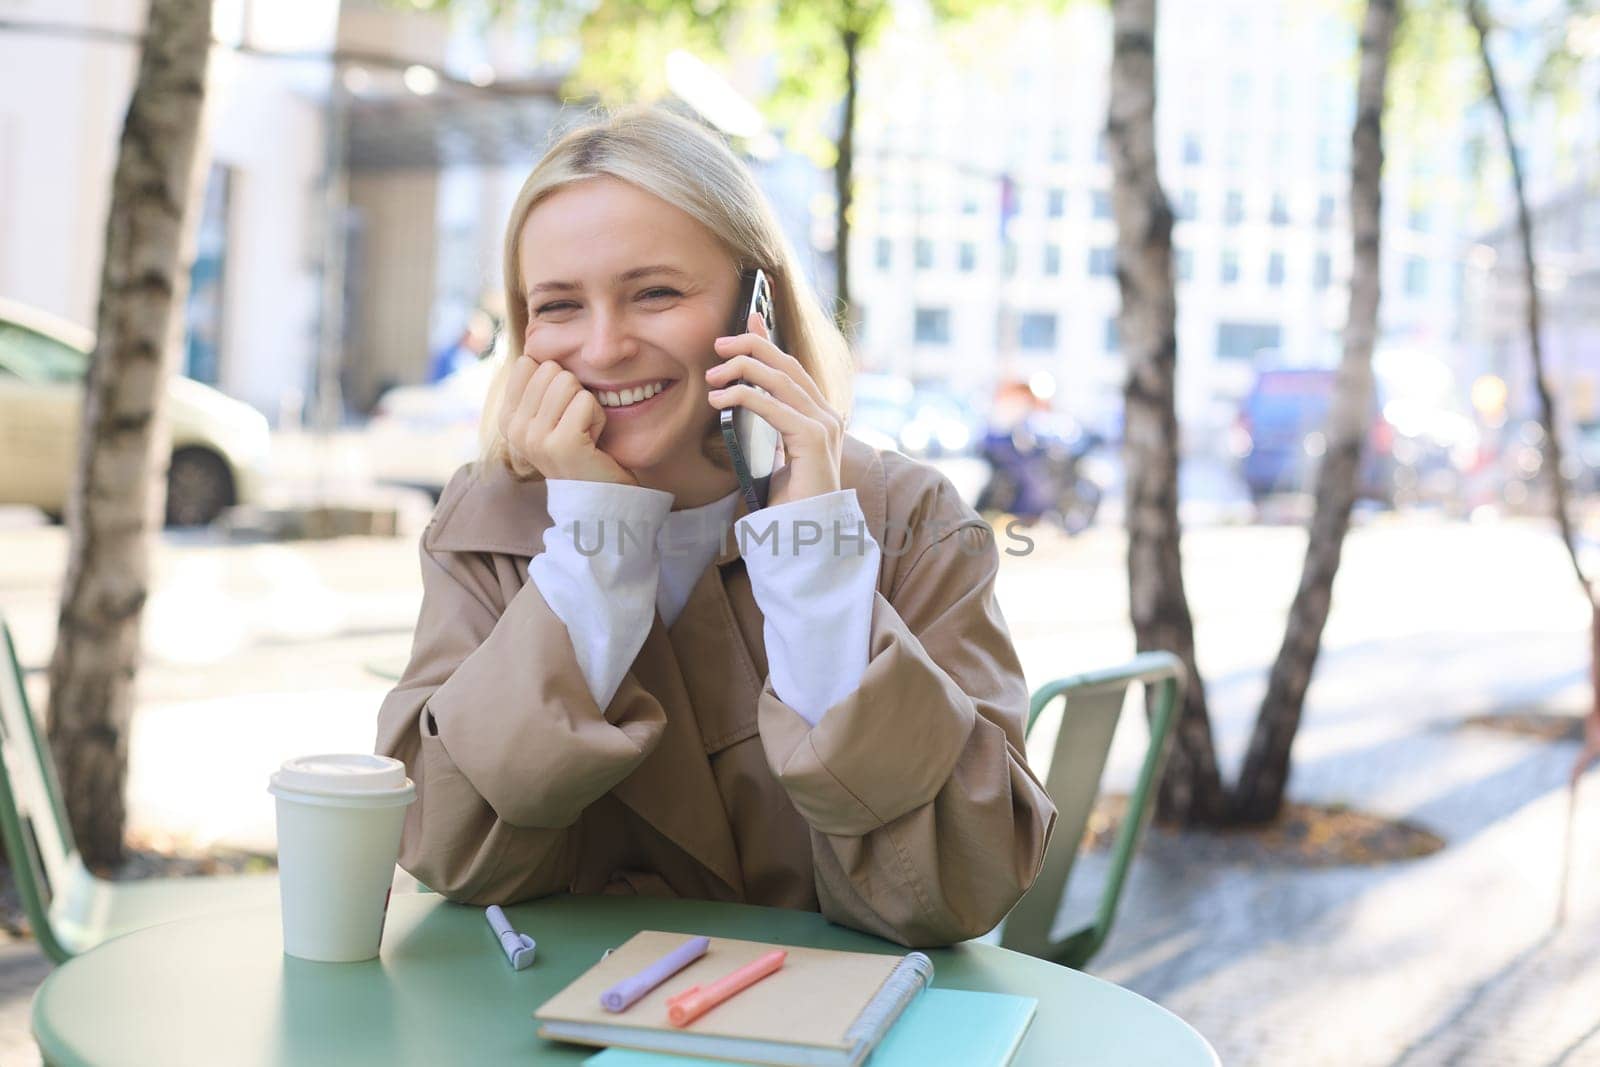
(813, 570)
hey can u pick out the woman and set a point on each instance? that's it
(609, 691)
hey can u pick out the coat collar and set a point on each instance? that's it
(492, 510)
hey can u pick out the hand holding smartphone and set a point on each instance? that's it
(755, 448)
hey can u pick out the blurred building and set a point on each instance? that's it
(984, 243)
(438, 145)
(66, 72)
(363, 158)
(435, 163)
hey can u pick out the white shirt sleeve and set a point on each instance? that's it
(599, 571)
(813, 568)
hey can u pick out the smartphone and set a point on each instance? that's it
(755, 448)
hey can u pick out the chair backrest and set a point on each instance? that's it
(1092, 704)
(33, 822)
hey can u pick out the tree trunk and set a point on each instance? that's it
(843, 182)
(1191, 791)
(1533, 309)
(1533, 312)
(117, 496)
(1265, 775)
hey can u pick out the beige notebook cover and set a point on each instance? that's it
(811, 1000)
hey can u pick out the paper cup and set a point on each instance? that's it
(339, 822)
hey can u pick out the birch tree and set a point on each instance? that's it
(1545, 408)
(116, 500)
(1265, 775)
(1191, 790)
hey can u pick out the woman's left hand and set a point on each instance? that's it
(813, 433)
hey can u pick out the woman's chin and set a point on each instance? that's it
(637, 449)
(632, 457)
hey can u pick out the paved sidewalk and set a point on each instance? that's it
(1451, 959)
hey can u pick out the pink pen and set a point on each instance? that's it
(694, 1002)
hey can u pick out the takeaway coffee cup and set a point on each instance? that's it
(339, 821)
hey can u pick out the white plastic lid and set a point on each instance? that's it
(342, 774)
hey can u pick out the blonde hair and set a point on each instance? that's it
(685, 165)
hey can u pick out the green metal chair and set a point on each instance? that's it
(1092, 704)
(69, 908)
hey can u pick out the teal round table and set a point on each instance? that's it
(218, 990)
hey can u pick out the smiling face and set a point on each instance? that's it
(629, 293)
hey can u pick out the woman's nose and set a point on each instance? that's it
(609, 341)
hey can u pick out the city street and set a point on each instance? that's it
(262, 650)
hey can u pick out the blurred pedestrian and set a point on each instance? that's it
(473, 344)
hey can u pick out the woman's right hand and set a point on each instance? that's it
(552, 425)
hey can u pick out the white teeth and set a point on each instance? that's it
(614, 399)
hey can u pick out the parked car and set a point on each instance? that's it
(926, 421)
(219, 445)
(420, 435)
(1279, 436)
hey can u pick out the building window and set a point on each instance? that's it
(1322, 271)
(1188, 205)
(1233, 209)
(967, 257)
(1416, 276)
(1239, 91)
(1113, 340)
(1037, 330)
(1052, 259)
(1280, 209)
(933, 326)
(1102, 204)
(1235, 147)
(1325, 211)
(885, 253)
(1185, 265)
(1059, 145)
(924, 254)
(1230, 266)
(1008, 258)
(1275, 269)
(1102, 149)
(1242, 340)
(1420, 220)
(1056, 203)
(969, 203)
(1191, 148)
(1280, 149)
(1330, 154)
(205, 312)
(1102, 262)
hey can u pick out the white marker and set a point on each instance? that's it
(519, 947)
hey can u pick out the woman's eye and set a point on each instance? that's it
(659, 293)
(559, 305)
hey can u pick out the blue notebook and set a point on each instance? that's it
(940, 1026)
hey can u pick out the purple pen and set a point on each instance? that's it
(622, 996)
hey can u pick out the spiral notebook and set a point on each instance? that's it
(942, 1026)
(821, 1009)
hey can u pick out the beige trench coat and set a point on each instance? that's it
(909, 811)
